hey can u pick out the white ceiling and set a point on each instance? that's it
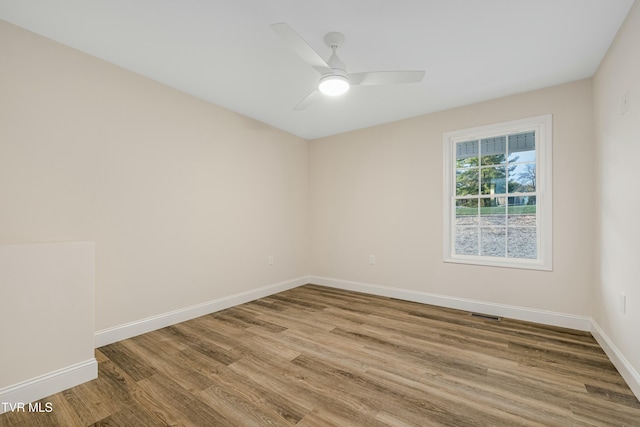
(225, 52)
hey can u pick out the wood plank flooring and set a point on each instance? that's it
(316, 356)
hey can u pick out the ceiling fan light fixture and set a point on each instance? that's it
(333, 85)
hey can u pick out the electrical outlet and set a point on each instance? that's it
(270, 259)
(624, 105)
(372, 259)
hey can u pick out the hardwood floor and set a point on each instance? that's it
(315, 356)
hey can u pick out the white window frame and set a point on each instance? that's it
(544, 213)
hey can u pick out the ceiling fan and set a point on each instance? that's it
(334, 79)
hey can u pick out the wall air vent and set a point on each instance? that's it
(486, 316)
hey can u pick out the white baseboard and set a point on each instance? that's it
(627, 371)
(53, 382)
(571, 321)
(128, 330)
(48, 384)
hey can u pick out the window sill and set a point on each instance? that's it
(533, 264)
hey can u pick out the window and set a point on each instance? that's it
(497, 194)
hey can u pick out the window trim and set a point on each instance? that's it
(544, 131)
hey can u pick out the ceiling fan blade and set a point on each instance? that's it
(300, 47)
(386, 77)
(308, 100)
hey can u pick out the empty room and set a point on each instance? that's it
(367, 213)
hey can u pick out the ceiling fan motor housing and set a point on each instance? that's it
(337, 82)
(334, 40)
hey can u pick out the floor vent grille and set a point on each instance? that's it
(486, 316)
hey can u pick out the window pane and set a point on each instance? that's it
(467, 182)
(467, 212)
(467, 154)
(522, 147)
(522, 178)
(493, 211)
(493, 150)
(466, 240)
(522, 211)
(522, 242)
(494, 180)
(492, 241)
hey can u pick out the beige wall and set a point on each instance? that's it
(184, 200)
(46, 310)
(379, 191)
(618, 208)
